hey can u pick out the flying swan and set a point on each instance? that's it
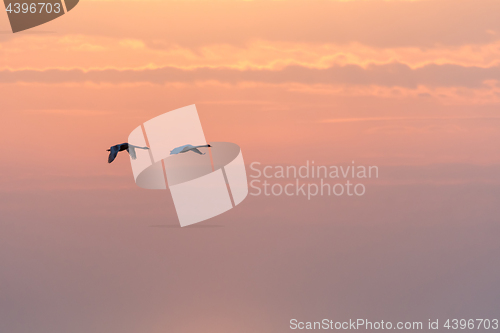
(186, 148)
(114, 150)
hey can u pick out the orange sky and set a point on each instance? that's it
(297, 64)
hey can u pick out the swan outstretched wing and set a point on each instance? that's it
(131, 151)
(113, 151)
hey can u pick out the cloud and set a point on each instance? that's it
(103, 52)
(411, 119)
(389, 75)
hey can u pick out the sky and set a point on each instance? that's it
(412, 87)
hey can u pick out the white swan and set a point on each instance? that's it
(186, 148)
